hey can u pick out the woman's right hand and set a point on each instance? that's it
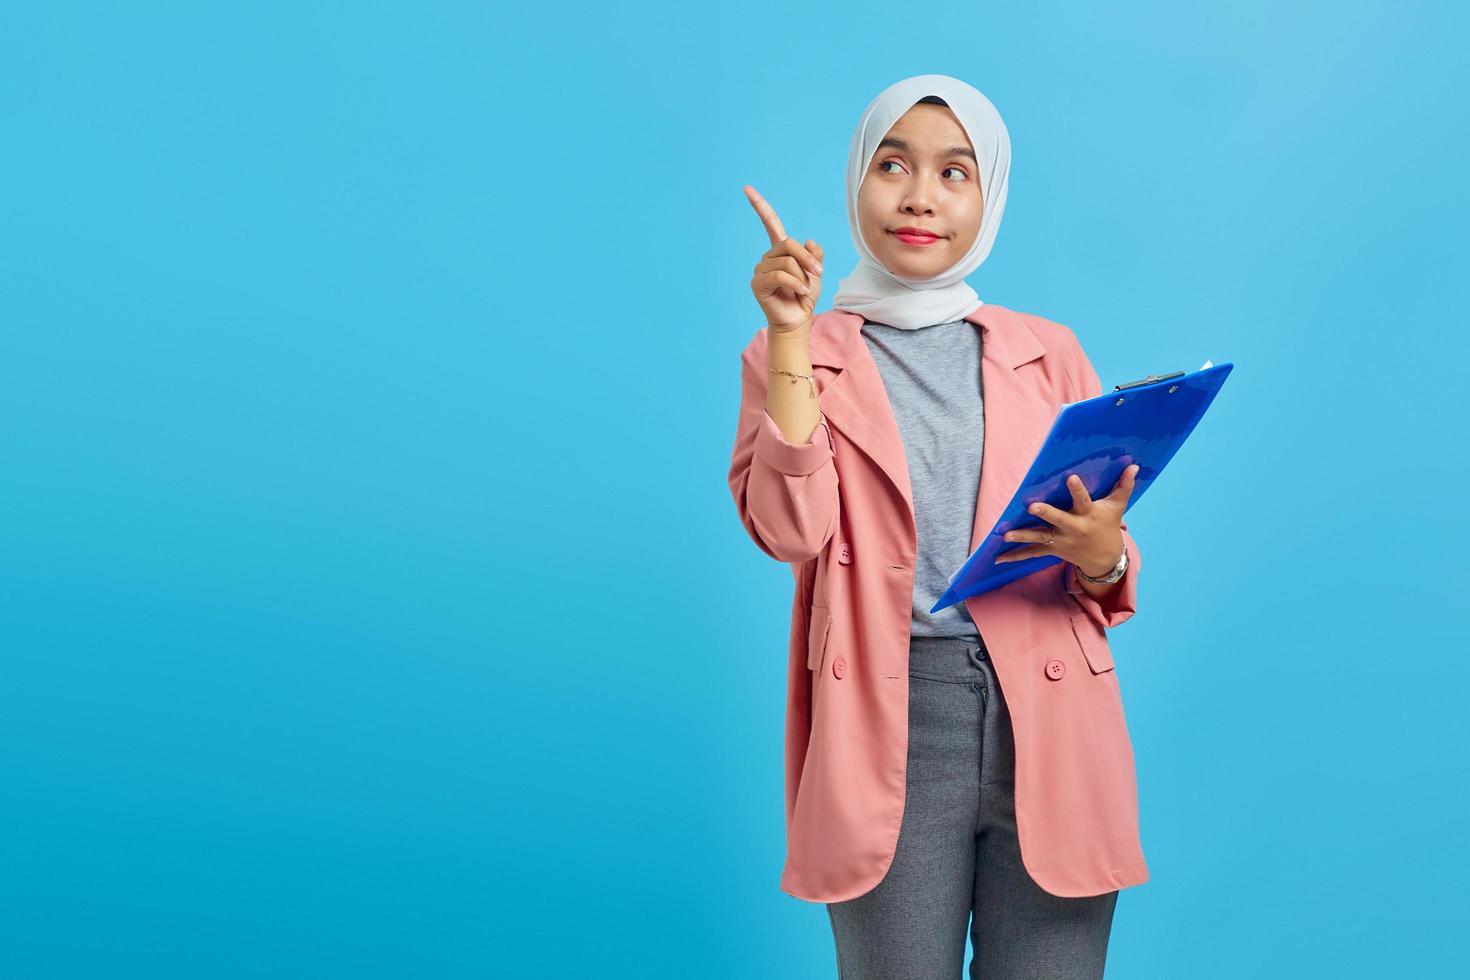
(788, 278)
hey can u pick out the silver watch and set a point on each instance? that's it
(1111, 576)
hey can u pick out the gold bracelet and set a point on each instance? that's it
(794, 376)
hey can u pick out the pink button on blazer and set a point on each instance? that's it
(839, 510)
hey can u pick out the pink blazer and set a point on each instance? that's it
(839, 510)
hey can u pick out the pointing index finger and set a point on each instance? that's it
(767, 215)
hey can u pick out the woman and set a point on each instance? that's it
(967, 769)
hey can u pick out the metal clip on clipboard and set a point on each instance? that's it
(1152, 378)
(1148, 380)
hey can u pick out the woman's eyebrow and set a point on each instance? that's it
(953, 151)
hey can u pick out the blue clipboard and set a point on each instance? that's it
(1143, 422)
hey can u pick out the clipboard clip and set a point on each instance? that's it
(1149, 380)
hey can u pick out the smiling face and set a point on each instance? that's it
(923, 175)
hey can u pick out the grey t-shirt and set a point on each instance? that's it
(933, 379)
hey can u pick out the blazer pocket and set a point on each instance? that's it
(1093, 642)
(816, 637)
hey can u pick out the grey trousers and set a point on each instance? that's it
(958, 865)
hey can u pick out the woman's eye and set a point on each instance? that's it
(884, 163)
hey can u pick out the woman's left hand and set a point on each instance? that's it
(1089, 536)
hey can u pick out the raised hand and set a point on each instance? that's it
(788, 278)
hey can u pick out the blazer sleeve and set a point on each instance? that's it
(786, 493)
(1122, 602)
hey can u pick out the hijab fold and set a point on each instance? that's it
(870, 289)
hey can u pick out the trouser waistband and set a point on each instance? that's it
(949, 657)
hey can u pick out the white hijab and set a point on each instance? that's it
(871, 290)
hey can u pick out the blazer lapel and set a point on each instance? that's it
(855, 402)
(1016, 418)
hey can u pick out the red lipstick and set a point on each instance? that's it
(916, 236)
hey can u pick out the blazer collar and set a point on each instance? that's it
(1016, 416)
(1005, 336)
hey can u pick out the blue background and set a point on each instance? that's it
(373, 600)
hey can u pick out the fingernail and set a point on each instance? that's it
(819, 268)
